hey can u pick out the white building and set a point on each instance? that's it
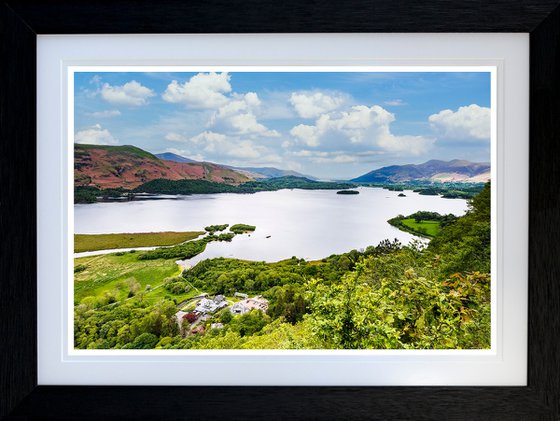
(238, 308)
(258, 303)
(209, 306)
(248, 304)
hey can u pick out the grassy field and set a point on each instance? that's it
(109, 273)
(93, 242)
(429, 228)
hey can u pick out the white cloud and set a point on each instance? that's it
(95, 80)
(234, 113)
(353, 125)
(276, 106)
(238, 117)
(468, 123)
(247, 123)
(306, 153)
(197, 157)
(205, 141)
(105, 114)
(313, 104)
(395, 103)
(237, 104)
(338, 159)
(272, 158)
(220, 145)
(95, 135)
(411, 145)
(131, 93)
(208, 140)
(363, 128)
(224, 147)
(307, 134)
(323, 157)
(203, 90)
(176, 137)
(243, 149)
(359, 124)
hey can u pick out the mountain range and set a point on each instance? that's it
(251, 172)
(270, 172)
(129, 167)
(434, 170)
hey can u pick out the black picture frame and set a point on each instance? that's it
(22, 21)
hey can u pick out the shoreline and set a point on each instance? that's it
(147, 196)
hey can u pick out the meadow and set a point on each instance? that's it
(94, 242)
(428, 228)
(111, 277)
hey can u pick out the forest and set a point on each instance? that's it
(447, 189)
(91, 194)
(387, 296)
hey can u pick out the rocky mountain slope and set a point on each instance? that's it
(128, 167)
(433, 170)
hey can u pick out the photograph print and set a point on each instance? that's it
(274, 209)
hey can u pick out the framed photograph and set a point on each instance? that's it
(327, 211)
(295, 157)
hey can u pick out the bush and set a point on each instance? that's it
(145, 341)
(225, 316)
(242, 228)
(214, 228)
(228, 236)
(249, 323)
(79, 268)
(182, 251)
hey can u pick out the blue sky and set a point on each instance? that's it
(329, 125)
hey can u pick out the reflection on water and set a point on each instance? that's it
(309, 224)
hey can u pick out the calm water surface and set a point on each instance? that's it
(309, 224)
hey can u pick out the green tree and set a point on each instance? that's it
(145, 341)
(226, 316)
(412, 310)
(249, 323)
(465, 243)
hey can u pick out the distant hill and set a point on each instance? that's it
(269, 184)
(170, 156)
(271, 172)
(434, 170)
(129, 166)
(251, 172)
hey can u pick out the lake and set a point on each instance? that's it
(309, 224)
